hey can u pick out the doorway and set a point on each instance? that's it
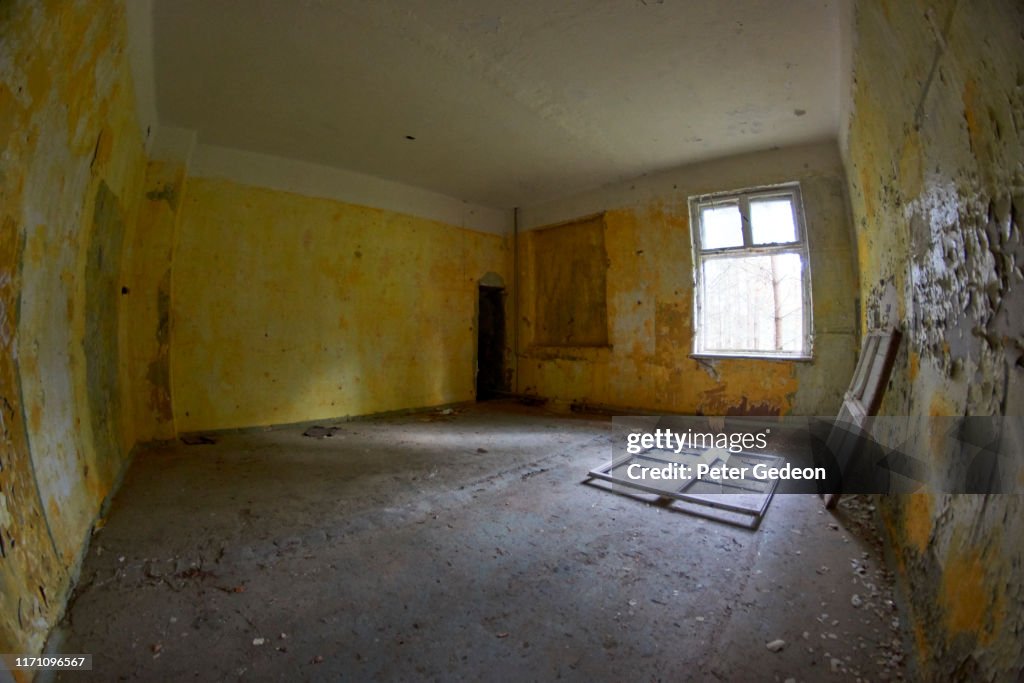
(490, 349)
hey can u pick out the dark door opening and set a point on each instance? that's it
(490, 349)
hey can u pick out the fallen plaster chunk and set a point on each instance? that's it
(320, 432)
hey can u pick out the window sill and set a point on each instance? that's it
(705, 355)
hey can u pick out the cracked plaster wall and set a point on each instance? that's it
(71, 177)
(936, 177)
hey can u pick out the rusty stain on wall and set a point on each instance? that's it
(963, 595)
(919, 512)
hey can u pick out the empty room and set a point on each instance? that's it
(599, 340)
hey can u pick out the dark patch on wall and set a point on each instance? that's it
(159, 372)
(717, 401)
(168, 192)
(102, 294)
(570, 267)
(744, 408)
(163, 310)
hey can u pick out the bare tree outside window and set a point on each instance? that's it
(753, 281)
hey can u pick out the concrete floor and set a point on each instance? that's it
(462, 547)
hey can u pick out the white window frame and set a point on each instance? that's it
(748, 248)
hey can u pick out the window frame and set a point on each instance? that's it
(800, 246)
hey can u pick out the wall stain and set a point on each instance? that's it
(939, 243)
(168, 192)
(101, 325)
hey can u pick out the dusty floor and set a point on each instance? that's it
(462, 547)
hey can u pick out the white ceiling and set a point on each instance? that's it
(511, 103)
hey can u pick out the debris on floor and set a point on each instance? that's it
(321, 432)
(198, 440)
(444, 414)
(354, 551)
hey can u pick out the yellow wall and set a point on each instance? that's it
(146, 336)
(278, 307)
(289, 308)
(936, 191)
(647, 363)
(70, 182)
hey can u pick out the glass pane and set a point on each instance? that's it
(771, 221)
(720, 227)
(753, 303)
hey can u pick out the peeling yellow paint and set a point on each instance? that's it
(913, 365)
(940, 406)
(970, 101)
(964, 596)
(932, 170)
(647, 364)
(67, 120)
(918, 520)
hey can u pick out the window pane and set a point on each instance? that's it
(753, 303)
(720, 227)
(771, 221)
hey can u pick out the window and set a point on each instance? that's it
(752, 279)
